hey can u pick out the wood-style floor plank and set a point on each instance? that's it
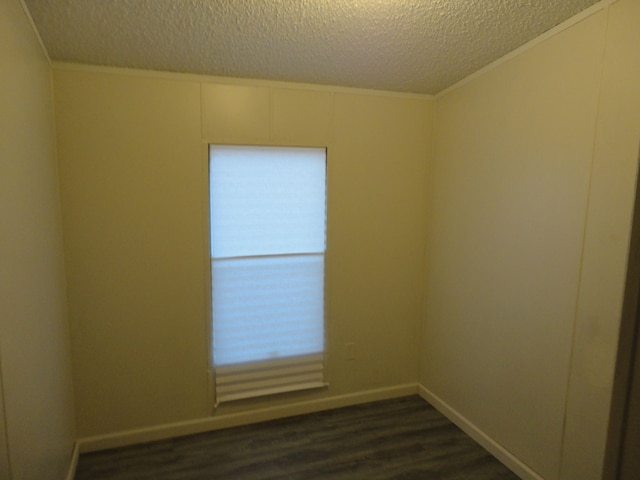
(399, 439)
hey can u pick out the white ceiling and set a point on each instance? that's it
(420, 46)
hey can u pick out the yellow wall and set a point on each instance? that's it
(532, 188)
(130, 176)
(613, 183)
(133, 180)
(35, 380)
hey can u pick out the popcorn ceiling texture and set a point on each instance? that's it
(420, 46)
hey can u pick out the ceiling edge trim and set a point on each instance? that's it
(34, 29)
(602, 5)
(193, 77)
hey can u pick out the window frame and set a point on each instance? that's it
(212, 393)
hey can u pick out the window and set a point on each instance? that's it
(268, 222)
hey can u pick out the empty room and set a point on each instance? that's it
(221, 218)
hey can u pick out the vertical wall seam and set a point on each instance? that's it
(4, 418)
(69, 319)
(563, 437)
(328, 292)
(271, 114)
(210, 400)
(201, 90)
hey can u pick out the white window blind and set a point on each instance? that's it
(268, 217)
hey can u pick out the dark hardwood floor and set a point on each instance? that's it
(399, 439)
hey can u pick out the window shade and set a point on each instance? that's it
(267, 201)
(268, 210)
(269, 377)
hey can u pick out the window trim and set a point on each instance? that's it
(315, 359)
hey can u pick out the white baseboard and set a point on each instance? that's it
(73, 464)
(160, 432)
(501, 453)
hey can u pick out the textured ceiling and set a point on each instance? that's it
(420, 46)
